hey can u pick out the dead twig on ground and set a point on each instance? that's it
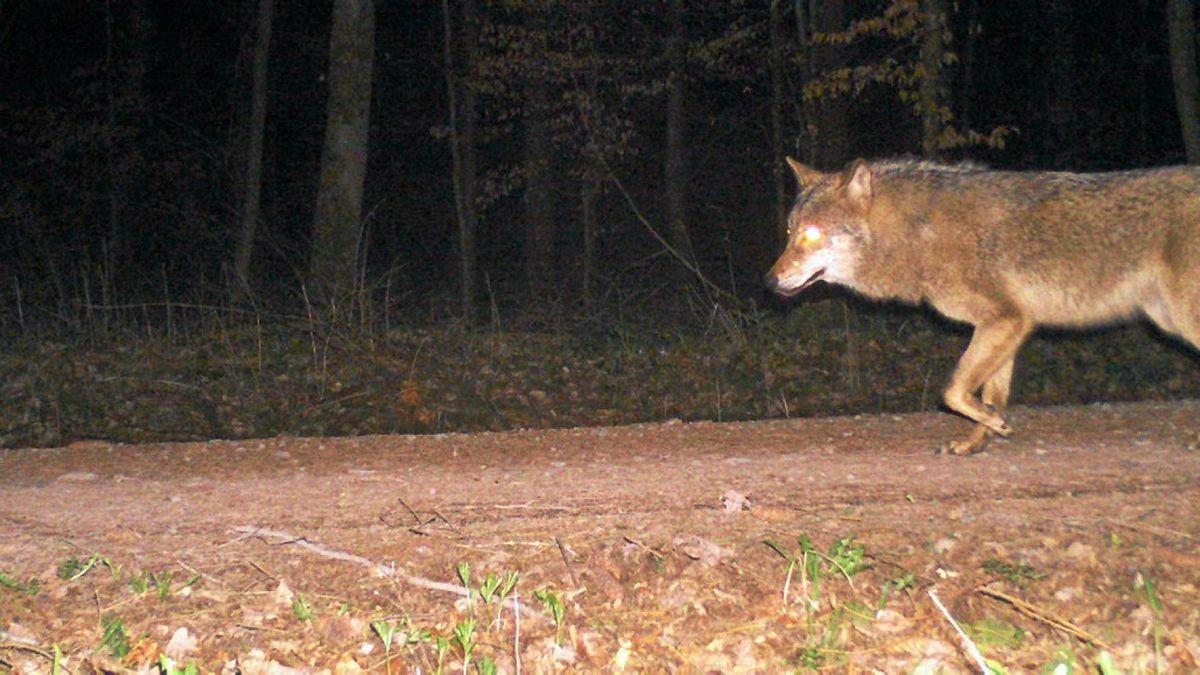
(966, 641)
(562, 550)
(385, 571)
(1152, 529)
(32, 649)
(1045, 617)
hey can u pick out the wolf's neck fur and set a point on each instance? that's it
(908, 217)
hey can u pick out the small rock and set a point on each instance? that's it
(890, 621)
(1068, 594)
(347, 666)
(704, 551)
(734, 501)
(18, 634)
(181, 645)
(283, 596)
(1081, 552)
(944, 545)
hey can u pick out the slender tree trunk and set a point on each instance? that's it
(806, 144)
(470, 115)
(803, 18)
(1142, 59)
(344, 155)
(128, 27)
(589, 193)
(461, 97)
(539, 215)
(778, 174)
(932, 87)
(254, 155)
(828, 116)
(1061, 93)
(676, 162)
(1181, 30)
(115, 249)
(593, 171)
(965, 90)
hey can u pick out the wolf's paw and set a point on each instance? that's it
(972, 444)
(960, 448)
(997, 425)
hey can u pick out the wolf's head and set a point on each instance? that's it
(826, 228)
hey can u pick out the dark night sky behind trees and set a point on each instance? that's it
(123, 134)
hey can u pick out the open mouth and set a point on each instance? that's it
(809, 281)
(789, 292)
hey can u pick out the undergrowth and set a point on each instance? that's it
(215, 374)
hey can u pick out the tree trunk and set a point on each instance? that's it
(827, 117)
(539, 215)
(932, 88)
(589, 193)
(803, 29)
(964, 91)
(778, 174)
(592, 174)
(258, 116)
(1142, 59)
(676, 163)
(466, 232)
(805, 145)
(128, 28)
(344, 155)
(461, 97)
(1181, 30)
(115, 246)
(1061, 79)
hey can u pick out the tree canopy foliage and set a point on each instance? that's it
(125, 154)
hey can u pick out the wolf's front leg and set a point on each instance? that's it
(995, 396)
(987, 363)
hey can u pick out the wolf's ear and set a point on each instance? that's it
(857, 181)
(804, 175)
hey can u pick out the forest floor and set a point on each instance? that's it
(644, 548)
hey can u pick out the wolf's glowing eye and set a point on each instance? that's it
(811, 234)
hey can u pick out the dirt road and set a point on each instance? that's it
(281, 553)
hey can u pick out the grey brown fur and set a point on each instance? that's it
(1003, 251)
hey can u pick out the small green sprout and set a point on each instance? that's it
(1016, 573)
(166, 666)
(386, 631)
(464, 637)
(139, 584)
(1149, 590)
(556, 609)
(1063, 661)
(115, 638)
(31, 587)
(303, 609)
(162, 584)
(442, 644)
(73, 568)
(990, 631)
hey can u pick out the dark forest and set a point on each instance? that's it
(600, 185)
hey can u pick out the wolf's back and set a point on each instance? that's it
(1065, 248)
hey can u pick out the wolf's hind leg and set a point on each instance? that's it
(1177, 310)
(995, 396)
(1176, 305)
(1185, 314)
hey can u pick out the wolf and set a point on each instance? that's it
(1003, 251)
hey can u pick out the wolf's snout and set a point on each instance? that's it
(771, 281)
